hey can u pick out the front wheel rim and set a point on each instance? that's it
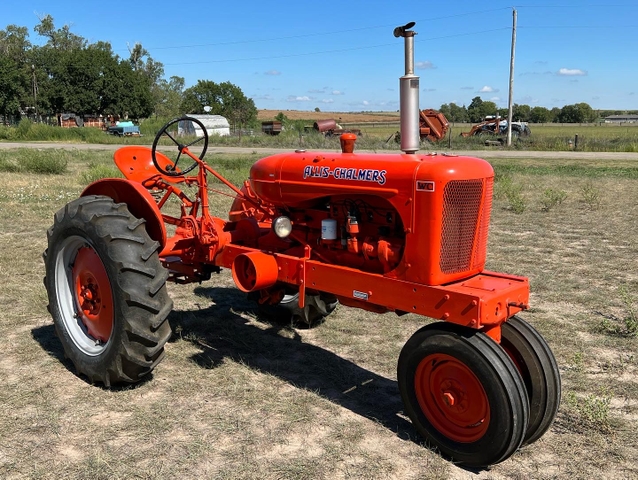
(84, 295)
(452, 398)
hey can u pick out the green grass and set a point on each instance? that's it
(571, 168)
(34, 161)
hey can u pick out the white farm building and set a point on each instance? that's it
(215, 125)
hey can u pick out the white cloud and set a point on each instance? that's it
(571, 72)
(316, 90)
(337, 92)
(488, 89)
(272, 72)
(366, 103)
(293, 98)
(427, 65)
(327, 100)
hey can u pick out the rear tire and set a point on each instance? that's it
(463, 394)
(317, 307)
(107, 291)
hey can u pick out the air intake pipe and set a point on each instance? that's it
(409, 94)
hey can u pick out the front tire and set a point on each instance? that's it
(537, 365)
(463, 394)
(107, 291)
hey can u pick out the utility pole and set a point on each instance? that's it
(509, 103)
(35, 92)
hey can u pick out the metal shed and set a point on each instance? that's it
(215, 125)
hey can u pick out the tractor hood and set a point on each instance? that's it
(298, 179)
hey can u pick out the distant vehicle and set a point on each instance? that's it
(272, 128)
(330, 128)
(124, 129)
(433, 126)
(497, 126)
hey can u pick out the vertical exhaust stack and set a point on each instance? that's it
(409, 94)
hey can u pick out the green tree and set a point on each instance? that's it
(577, 113)
(540, 115)
(168, 97)
(521, 113)
(586, 112)
(142, 62)
(479, 109)
(445, 110)
(16, 87)
(475, 110)
(60, 39)
(281, 117)
(12, 88)
(458, 114)
(224, 99)
(454, 113)
(554, 115)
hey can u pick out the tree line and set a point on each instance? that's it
(68, 74)
(479, 109)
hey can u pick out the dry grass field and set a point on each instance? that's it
(346, 117)
(238, 397)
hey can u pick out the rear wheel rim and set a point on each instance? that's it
(452, 398)
(84, 294)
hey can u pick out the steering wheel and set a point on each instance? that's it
(172, 170)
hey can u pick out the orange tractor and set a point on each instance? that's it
(403, 233)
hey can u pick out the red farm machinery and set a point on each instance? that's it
(403, 233)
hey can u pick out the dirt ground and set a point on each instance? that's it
(346, 117)
(239, 397)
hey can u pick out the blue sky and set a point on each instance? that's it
(342, 56)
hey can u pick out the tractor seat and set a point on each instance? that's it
(136, 163)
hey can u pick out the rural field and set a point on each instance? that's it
(240, 397)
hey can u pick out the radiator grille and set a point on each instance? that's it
(465, 224)
(480, 252)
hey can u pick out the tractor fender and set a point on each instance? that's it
(138, 200)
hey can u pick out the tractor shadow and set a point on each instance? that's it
(220, 332)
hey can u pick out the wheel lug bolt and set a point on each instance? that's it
(449, 399)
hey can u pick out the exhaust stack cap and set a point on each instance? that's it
(401, 31)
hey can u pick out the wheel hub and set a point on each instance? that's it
(93, 294)
(452, 398)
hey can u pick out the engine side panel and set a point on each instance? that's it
(422, 218)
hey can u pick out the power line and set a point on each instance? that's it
(572, 6)
(530, 27)
(320, 34)
(350, 49)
